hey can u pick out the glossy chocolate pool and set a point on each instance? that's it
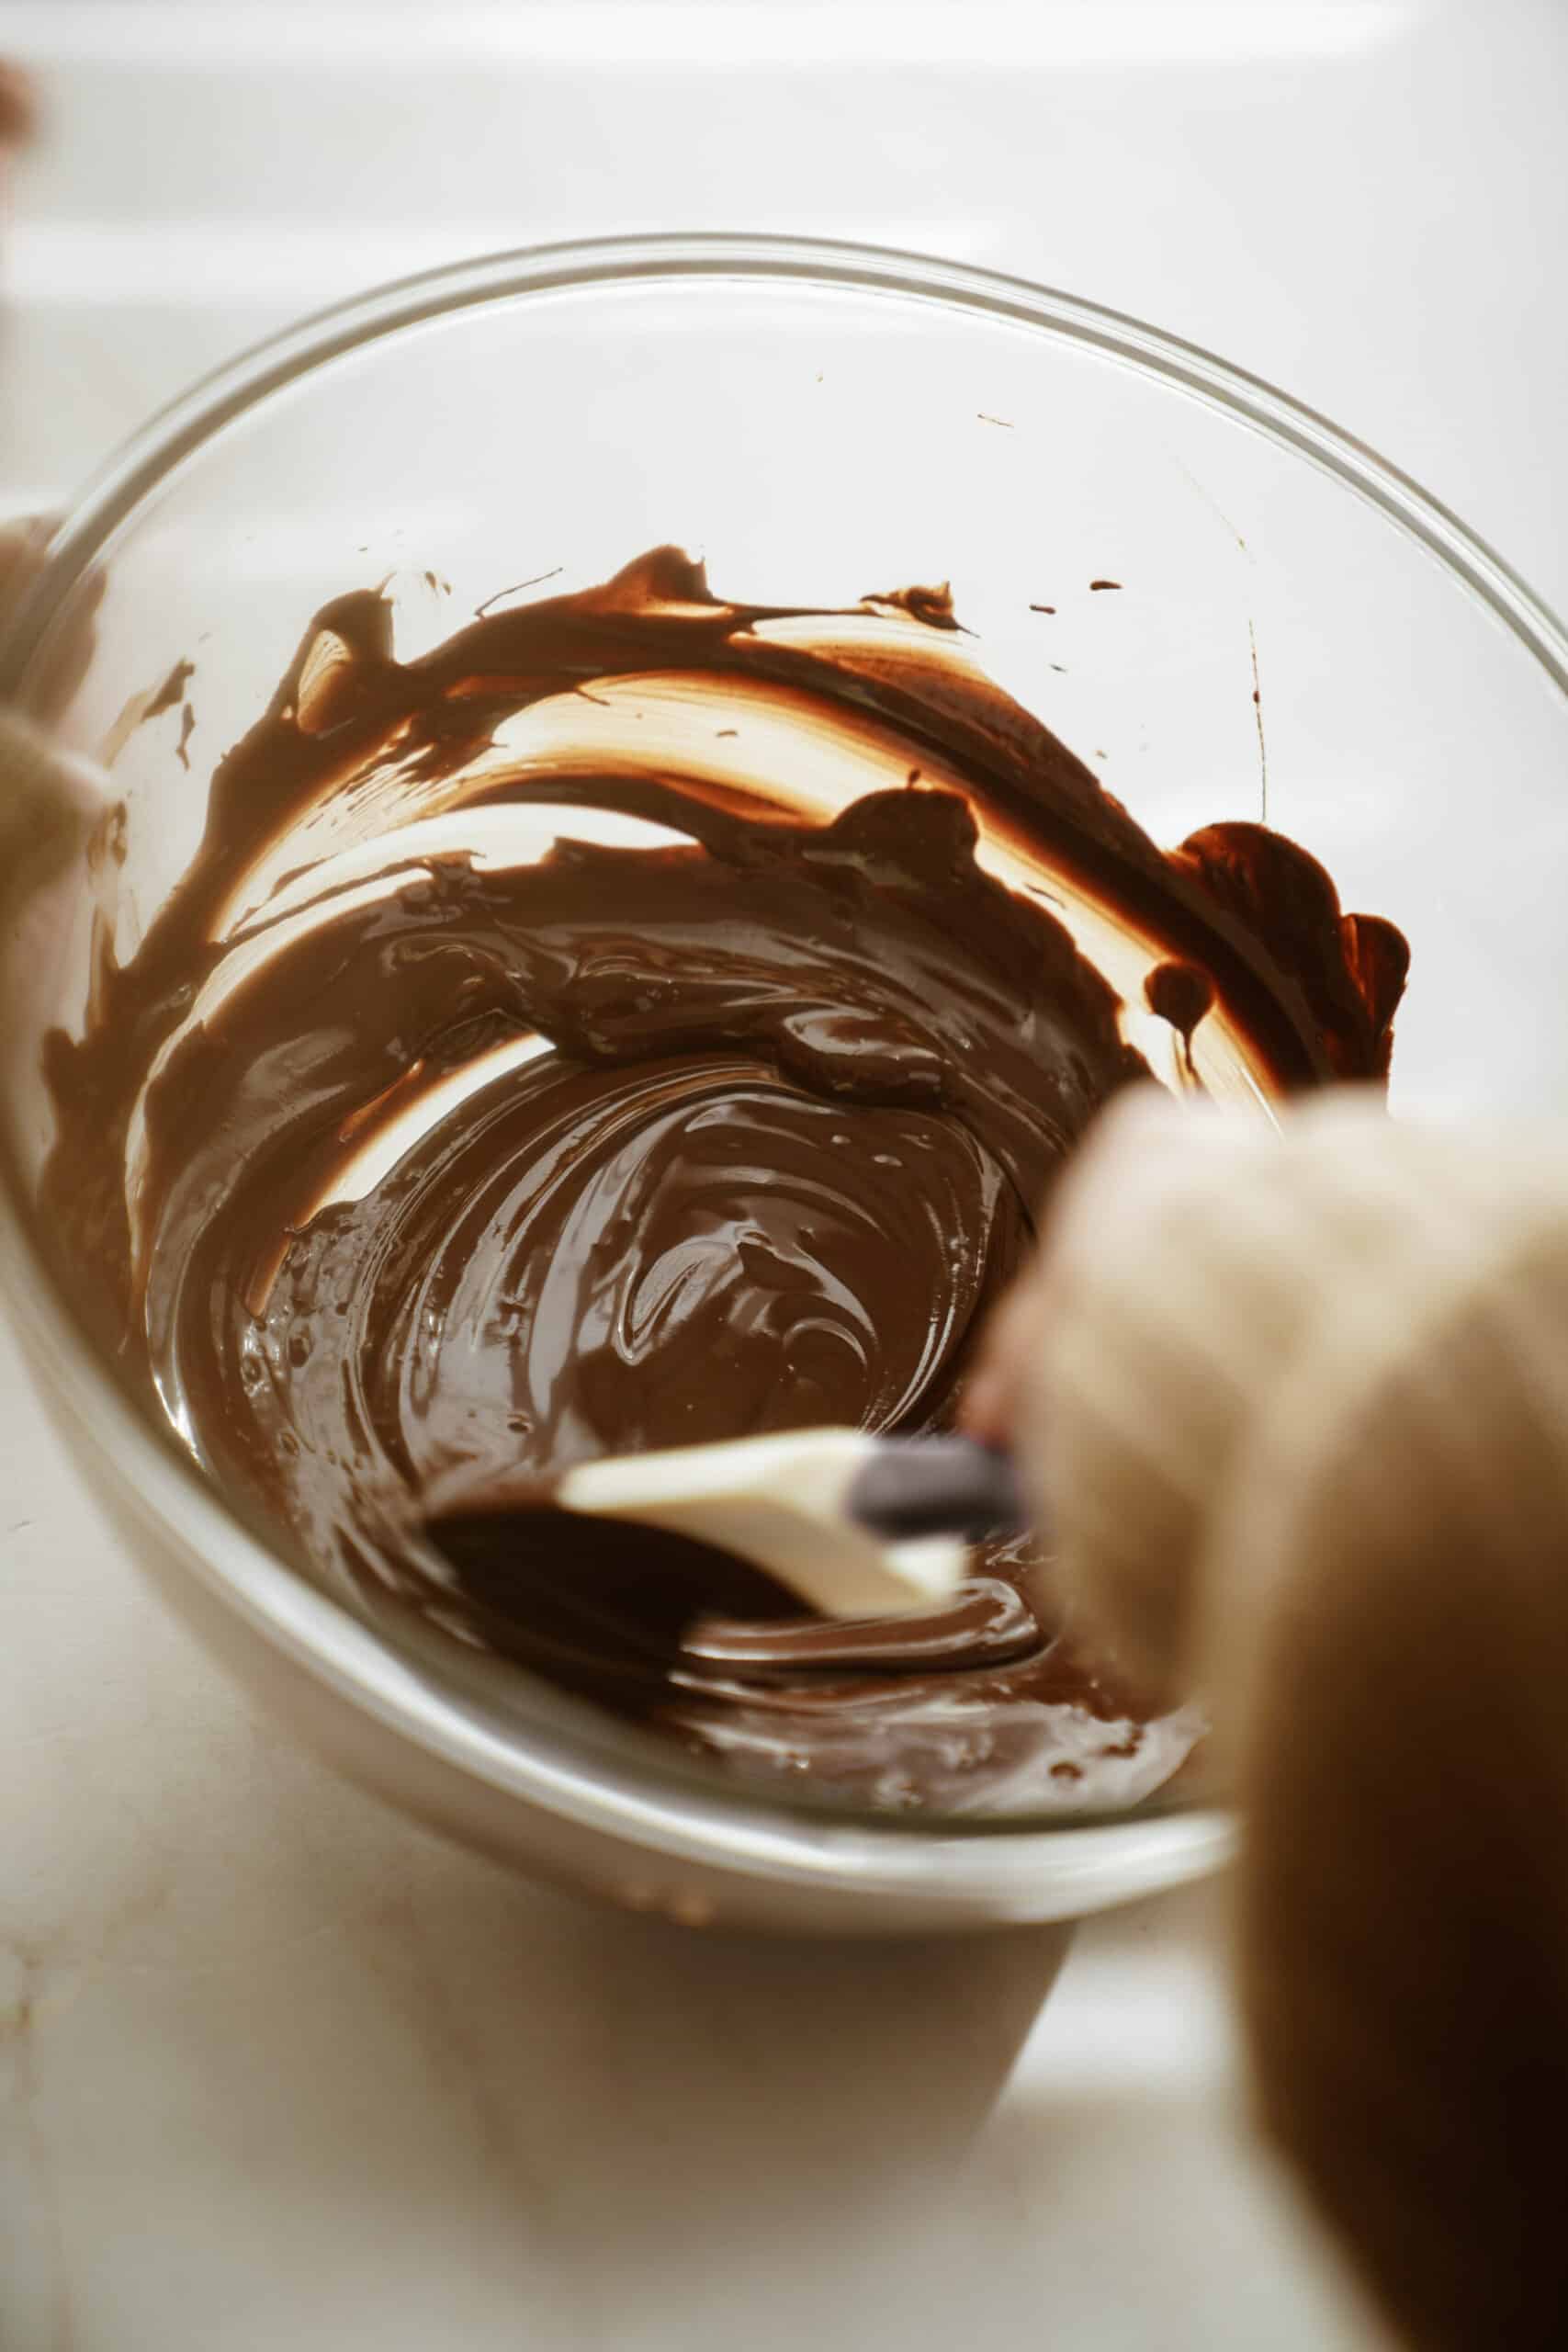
(645, 1018)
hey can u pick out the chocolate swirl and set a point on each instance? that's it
(646, 1019)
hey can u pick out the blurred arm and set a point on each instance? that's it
(1300, 1404)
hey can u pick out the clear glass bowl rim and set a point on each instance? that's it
(667, 1807)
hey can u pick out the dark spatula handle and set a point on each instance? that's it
(937, 1486)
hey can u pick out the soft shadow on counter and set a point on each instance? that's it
(668, 2088)
(368, 2088)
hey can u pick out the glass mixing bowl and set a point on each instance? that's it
(1299, 633)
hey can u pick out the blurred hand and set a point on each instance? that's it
(19, 106)
(1297, 1409)
(54, 809)
(22, 546)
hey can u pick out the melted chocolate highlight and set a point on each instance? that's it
(737, 1125)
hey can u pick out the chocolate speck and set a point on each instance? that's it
(933, 605)
(171, 691)
(1257, 714)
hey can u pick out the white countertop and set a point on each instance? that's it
(275, 2068)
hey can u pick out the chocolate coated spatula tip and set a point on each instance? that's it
(858, 1526)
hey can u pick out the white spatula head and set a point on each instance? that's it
(779, 1502)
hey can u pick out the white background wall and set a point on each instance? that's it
(1361, 200)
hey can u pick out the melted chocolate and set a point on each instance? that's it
(646, 1019)
(1181, 994)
